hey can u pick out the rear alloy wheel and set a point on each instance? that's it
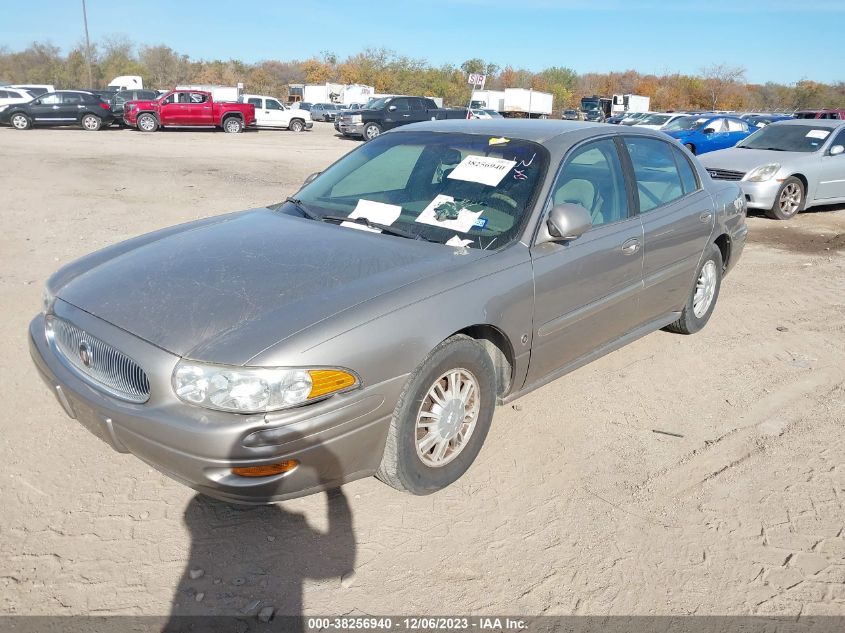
(233, 125)
(297, 125)
(21, 122)
(441, 419)
(788, 201)
(147, 123)
(91, 123)
(371, 130)
(702, 300)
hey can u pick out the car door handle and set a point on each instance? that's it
(629, 247)
(406, 115)
(705, 217)
(55, 107)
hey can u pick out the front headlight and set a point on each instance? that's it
(355, 118)
(256, 389)
(762, 173)
(47, 300)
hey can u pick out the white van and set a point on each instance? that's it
(270, 112)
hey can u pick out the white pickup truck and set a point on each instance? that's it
(270, 112)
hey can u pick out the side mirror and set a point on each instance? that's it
(708, 130)
(392, 108)
(312, 178)
(836, 150)
(567, 221)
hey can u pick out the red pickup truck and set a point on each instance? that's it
(188, 108)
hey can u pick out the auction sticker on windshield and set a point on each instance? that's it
(822, 134)
(482, 169)
(463, 223)
(374, 212)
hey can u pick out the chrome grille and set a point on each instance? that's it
(106, 367)
(725, 174)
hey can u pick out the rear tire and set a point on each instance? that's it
(371, 130)
(20, 121)
(788, 201)
(91, 123)
(147, 122)
(430, 446)
(690, 147)
(296, 125)
(233, 125)
(705, 292)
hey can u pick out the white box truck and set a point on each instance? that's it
(336, 93)
(218, 93)
(629, 103)
(525, 102)
(488, 100)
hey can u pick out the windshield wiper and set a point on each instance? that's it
(302, 209)
(385, 228)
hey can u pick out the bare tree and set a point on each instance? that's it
(720, 79)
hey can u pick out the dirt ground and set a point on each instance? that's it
(576, 505)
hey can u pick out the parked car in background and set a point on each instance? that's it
(301, 105)
(657, 120)
(825, 113)
(36, 90)
(484, 113)
(188, 108)
(64, 107)
(762, 120)
(270, 112)
(391, 112)
(324, 112)
(706, 133)
(632, 118)
(595, 115)
(371, 323)
(572, 115)
(11, 96)
(120, 98)
(616, 119)
(787, 166)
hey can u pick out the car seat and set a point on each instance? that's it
(584, 193)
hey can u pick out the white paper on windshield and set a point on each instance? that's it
(374, 212)
(463, 223)
(483, 169)
(458, 242)
(822, 134)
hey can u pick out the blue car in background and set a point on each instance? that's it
(704, 133)
(762, 120)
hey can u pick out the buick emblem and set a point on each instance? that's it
(85, 353)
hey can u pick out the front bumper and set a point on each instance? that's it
(352, 129)
(760, 195)
(335, 441)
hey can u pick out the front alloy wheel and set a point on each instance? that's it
(447, 417)
(789, 200)
(20, 122)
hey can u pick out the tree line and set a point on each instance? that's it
(715, 86)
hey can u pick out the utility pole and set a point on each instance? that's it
(87, 46)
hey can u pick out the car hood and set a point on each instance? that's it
(224, 291)
(739, 159)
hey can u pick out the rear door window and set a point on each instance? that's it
(655, 172)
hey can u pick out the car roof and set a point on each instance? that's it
(830, 123)
(536, 130)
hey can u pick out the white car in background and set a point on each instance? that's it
(658, 120)
(11, 96)
(270, 112)
(484, 113)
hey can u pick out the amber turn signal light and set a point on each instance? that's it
(266, 470)
(325, 381)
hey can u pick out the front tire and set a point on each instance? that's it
(147, 123)
(788, 201)
(371, 130)
(91, 123)
(297, 125)
(442, 418)
(20, 121)
(702, 300)
(233, 125)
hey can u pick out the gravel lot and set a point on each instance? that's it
(575, 505)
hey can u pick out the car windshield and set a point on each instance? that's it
(686, 123)
(493, 114)
(655, 119)
(464, 189)
(378, 104)
(787, 138)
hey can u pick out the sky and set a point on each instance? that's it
(774, 40)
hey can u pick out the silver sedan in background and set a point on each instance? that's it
(370, 324)
(787, 166)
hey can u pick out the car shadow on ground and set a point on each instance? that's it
(247, 564)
